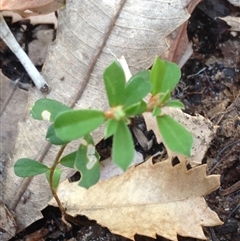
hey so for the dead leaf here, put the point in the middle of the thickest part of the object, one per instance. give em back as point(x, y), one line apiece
point(12, 100)
point(235, 2)
point(180, 49)
point(7, 222)
point(88, 34)
point(234, 22)
point(49, 18)
point(201, 128)
point(148, 199)
point(31, 7)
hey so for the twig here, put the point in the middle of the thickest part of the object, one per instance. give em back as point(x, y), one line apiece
point(235, 187)
point(7, 36)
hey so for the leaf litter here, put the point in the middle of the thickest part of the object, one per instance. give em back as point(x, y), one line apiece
point(137, 201)
point(66, 98)
point(88, 52)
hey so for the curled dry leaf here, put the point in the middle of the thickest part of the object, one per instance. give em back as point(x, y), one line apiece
point(234, 22)
point(49, 18)
point(31, 7)
point(148, 199)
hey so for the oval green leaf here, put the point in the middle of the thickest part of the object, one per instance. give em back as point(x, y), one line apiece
point(69, 160)
point(74, 124)
point(137, 88)
point(111, 128)
point(171, 77)
point(157, 74)
point(156, 111)
point(53, 138)
point(26, 167)
point(114, 80)
point(123, 146)
point(175, 136)
point(175, 104)
point(87, 163)
point(56, 176)
point(164, 97)
point(47, 109)
point(136, 109)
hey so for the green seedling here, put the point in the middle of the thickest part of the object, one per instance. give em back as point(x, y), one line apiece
point(126, 100)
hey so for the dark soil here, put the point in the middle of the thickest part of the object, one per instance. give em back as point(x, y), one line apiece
point(209, 86)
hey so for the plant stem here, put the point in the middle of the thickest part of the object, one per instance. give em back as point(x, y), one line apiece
point(54, 193)
point(7, 36)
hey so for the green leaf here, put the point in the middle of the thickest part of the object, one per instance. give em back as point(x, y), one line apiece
point(74, 124)
point(114, 80)
point(88, 138)
point(47, 109)
point(123, 147)
point(111, 128)
point(56, 176)
point(156, 111)
point(26, 167)
point(69, 160)
point(136, 109)
point(87, 163)
point(175, 103)
point(175, 136)
point(53, 138)
point(157, 74)
point(165, 97)
point(136, 89)
point(171, 77)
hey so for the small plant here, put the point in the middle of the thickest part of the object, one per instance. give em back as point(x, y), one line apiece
point(126, 100)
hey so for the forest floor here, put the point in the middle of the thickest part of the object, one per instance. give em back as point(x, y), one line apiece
point(209, 86)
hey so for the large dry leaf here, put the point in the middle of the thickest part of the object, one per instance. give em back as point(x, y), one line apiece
point(12, 100)
point(31, 7)
point(88, 34)
point(148, 199)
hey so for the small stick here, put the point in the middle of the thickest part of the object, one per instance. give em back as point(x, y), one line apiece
point(235, 187)
point(7, 36)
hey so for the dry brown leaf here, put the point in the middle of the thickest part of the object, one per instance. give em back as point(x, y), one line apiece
point(234, 22)
point(180, 49)
point(87, 34)
point(148, 199)
point(201, 128)
point(31, 7)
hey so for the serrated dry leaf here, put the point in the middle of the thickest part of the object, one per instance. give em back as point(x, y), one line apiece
point(148, 199)
point(87, 33)
point(201, 128)
point(234, 22)
point(31, 7)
